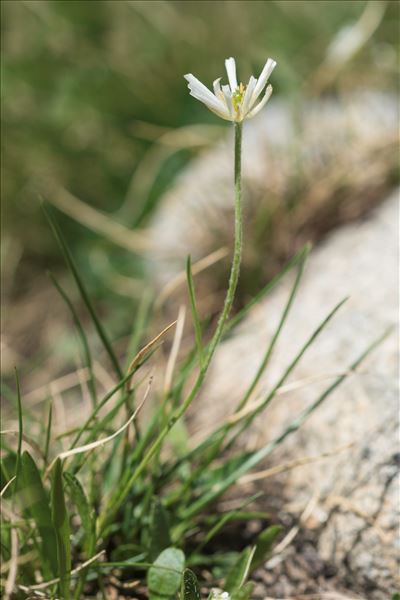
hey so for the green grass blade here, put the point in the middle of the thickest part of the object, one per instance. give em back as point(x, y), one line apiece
point(222, 521)
point(264, 545)
point(238, 574)
point(48, 433)
point(195, 314)
point(61, 526)
point(243, 593)
point(82, 289)
point(87, 355)
point(259, 455)
point(20, 434)
point(37, 504)
point(141, 320)
point(86, 514)
point(159, 530)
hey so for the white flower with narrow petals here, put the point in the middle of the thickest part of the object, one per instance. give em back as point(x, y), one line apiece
point(234, 102)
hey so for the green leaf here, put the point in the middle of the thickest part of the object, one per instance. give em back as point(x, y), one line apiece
point(190, 586)
point(61, 526)
point(243, 593)
point(237, 576)
point(86, 514)
point(164, 577)
point(264, 544)
point(82, 289)
point(159, 530)
point(36, 503)
point(195, 314)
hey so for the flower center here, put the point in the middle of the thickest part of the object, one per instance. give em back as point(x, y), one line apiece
point(237, 96)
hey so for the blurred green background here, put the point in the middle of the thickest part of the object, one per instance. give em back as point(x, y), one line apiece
point(89, 86)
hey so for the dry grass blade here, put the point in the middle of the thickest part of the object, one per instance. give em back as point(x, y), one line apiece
point(144, 351)
point(64, 383)
point(284, 389)
point(180, 278)
point(3, 491)
point(8, 513)
point(98, 443)
point(180, 322)
point(289, 537)
point(45, 584)
point(165, 146)
point(25, 438)
point(96, 221)
point(347, 43)
point(22, 560)
point(288, 466)
point(12, 574)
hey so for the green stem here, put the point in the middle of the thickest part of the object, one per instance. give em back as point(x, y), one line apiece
point(115, 503)
point(237, 252)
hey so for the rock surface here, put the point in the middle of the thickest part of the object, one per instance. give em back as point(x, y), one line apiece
point(355, 491)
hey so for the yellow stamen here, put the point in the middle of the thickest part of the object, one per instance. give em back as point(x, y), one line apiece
point(237, 96)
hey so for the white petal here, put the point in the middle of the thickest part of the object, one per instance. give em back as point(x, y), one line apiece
point(246, 105)
point(230, 66)
point(223, 114)
point(262, 80)
point(228, 98)
point(217, 86)
point(220, 94)
point(199, 91)
point(260, 105)
point(219, 110)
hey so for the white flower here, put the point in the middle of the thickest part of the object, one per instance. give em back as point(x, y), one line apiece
point(234, 102)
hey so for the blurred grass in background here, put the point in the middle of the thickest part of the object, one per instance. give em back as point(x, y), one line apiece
point(88, 88)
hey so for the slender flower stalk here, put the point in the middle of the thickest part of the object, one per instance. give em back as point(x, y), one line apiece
point(237, 251)
point(240, 108)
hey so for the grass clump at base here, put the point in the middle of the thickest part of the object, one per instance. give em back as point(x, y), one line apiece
point(123, 511)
